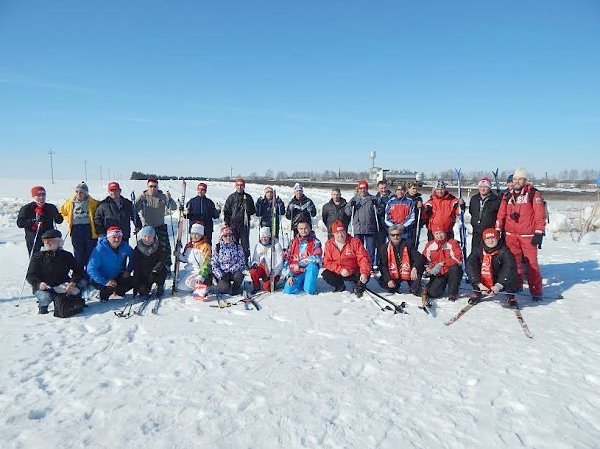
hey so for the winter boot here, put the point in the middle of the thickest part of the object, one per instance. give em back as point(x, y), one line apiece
point(425, 302)
point(42, 310)
point(452, 298)
point(536, 298)
point(160, 290)
point(474, 298)
point(512, 302)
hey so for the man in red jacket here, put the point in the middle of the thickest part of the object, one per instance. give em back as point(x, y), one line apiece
point(441, 210)
point(522, 217)
point(345, 259)
point(444, 265)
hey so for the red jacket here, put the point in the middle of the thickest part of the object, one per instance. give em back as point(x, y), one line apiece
point(441, 211)
point(447, 252)
point(522, 213)
point(353, 256)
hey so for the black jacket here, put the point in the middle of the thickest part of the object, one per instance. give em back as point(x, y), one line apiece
point(204, 210)
point(112, 213)
point(302, 208)
point(503, 263)
point(144, 265)
point(27, 218)
point(235, 206)
point(332, 212)
point(264, 210)
point(417, 260)
point(53, 268)
point(483, 213)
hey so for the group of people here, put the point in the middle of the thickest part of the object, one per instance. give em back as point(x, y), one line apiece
point(366, 234)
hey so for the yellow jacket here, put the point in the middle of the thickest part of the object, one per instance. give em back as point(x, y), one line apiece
point(66, 210)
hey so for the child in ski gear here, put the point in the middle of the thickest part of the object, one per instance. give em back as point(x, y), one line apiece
point(492, 268)
point(484, 209)
point(335, 209)
point(522, 217)
point(444, 265)
point(196, 273)
point(267, 260)
point(345, 259)
point(153, 205)
point(116, 210)
point(37, 217)
point(53, 270)
point(228, 262)
point(264, 210)
point(111, 264)
point(303, 261)
point(365, 210)
point(441, 210)
point(148, 263)
point(300, 208)
point(400, 261)
point(400, 210)
point(239, 207)
point(201, 209)
point(79, 212)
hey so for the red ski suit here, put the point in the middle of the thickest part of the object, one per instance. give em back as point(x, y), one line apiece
point(441, 212)
point(353, 256)
point(447, 252)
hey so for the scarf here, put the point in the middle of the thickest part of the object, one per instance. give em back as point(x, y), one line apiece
point(487, 268)
point(404, 272)
point(147, 250)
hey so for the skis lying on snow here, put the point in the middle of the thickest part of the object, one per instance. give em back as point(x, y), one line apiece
point(394, 307)
point(521, 320)
point(464, 310)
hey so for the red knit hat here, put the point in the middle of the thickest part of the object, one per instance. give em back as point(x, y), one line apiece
point(485, 182)
point(154, 180)
point(337, 226)
point(202, 185)
point(114, 230)
point(113, 186)
point(240, 181)
point(490, 233)
point(362, 184)
point(38, 190)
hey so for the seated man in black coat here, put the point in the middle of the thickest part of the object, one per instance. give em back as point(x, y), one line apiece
point(400, 261)
point(492, 269)
point(53, 270)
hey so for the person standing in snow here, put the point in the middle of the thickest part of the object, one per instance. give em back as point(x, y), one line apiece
point(267, 260)
point(227, 263)
point(345, 259)
point(153, 205)
point(383, 195)
point(264, 210)
point(522, 217)
point(492, 269)
point(239, 207)
point(335, 209)
point(116, 210)
point(400, 210)
point(444, 266)
point(53, 270)
point(483, 208)
point(111, 264)
point(304, 260)
point(441, 210)
point(37, 217)
point(79, 212)
point(300, 208)
point(148, 263)
point(412, 192)
point(201, 209)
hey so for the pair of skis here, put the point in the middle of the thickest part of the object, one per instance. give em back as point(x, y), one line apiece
point(178, 244)
point(128, 312)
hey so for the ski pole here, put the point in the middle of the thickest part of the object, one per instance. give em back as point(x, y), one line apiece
point(29, 263)
point(418, 228)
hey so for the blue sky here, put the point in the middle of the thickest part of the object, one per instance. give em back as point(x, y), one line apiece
point(194, 87)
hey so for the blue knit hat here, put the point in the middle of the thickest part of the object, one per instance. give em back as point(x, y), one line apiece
point(147, 230)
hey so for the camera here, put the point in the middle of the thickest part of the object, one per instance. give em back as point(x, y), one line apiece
point(515, 216)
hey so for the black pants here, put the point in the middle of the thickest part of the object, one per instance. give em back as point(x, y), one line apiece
point(337, 280)
point(437, 284)
point(242, 235)
point(124, 284)
point(143, 284)
point(230, 283)
point(415, 286)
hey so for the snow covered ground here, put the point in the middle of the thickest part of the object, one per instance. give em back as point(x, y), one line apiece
point(328, 371)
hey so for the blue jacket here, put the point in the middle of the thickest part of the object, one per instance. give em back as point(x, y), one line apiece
point(106, 263)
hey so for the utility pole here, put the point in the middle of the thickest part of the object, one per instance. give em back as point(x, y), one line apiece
point(230, 172)
point(85, 168)
point(100, 172)
point(51, 165)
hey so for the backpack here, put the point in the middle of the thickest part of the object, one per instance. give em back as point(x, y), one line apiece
point(67, 305)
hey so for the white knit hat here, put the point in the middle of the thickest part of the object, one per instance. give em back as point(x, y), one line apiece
point(520, 173)
point(297, 187)
point(197, 228)
point(265, 232)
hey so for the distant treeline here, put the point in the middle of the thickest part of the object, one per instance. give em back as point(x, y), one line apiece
point(137, 175)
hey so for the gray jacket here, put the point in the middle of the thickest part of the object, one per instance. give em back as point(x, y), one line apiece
point(154, 208)
point(366, 208)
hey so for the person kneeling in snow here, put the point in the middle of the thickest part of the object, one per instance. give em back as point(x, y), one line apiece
point(444, 265)
point(195, 276)
point(400, 261)
point(110, 265)
point(304, 260)
point(149, 263)
point(228, 262)
point(345, 259)
point(49, 270)
point(492, 269)
point(267, 259)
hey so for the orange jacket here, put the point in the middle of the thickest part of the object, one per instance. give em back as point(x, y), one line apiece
point(353, 256)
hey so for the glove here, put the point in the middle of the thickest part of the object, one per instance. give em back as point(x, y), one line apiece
point(352, 203)
point(537, 240)
point(254, 265)
point(435, 270)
